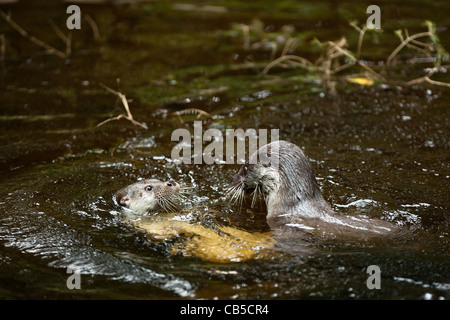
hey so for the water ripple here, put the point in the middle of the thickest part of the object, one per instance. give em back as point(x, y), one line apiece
point(64, 247)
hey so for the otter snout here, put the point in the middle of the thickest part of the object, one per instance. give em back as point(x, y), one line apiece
point(236, 180)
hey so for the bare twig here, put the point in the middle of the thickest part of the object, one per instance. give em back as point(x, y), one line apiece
point(360, 39)
point(359, 63)
point(303, 62)
point(437, 83)
point(329, 64)
point(342, 67)
point(404, 43)
point(414, 44)
point(330, 54)
point(33, 39)
point(66, 39)
point(427, 79)
point(289, 43)
point(93, 26)
point(124, 101)
point(423, 47)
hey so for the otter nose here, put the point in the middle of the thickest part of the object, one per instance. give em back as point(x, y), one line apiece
point(236, 179)
point(171, 184)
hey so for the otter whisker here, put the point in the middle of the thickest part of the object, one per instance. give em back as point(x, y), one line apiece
point(173, 204)
point(167, 204)
point(233, 197)
point(255, 195)
point(231, 192)
point(231, 189)
point(169, 207)
point(242, 194)
point(184, 194)
point(237, 193)
point(180, 197)
point(162, 204)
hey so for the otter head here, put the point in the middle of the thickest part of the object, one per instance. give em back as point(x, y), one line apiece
point(258, 178)
point(281, 173)
point(148, 195)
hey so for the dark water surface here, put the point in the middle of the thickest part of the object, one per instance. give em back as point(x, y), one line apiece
point(383, 149)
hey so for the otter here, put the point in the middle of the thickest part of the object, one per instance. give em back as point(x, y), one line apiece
point(149, 195)
point(283, 175)
point(191, 236)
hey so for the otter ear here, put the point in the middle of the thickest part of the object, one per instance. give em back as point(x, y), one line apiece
point(124, 200)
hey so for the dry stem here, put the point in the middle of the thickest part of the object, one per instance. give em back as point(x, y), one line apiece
point(426, 78)
point(66, 39)
point(404, 43)
point(124, 101)
point(359, 63)
point(304, 63)
point(35, 40)
point(93, 26)
point(337, 49)
point(360, 39)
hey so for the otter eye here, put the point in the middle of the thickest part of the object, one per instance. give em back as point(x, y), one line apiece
point(148, 188)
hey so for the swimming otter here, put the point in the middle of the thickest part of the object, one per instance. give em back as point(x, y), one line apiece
point(211, 241)
point(149, 195)
point(283, 175)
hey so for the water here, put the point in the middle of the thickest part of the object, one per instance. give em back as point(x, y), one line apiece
point(381, 151)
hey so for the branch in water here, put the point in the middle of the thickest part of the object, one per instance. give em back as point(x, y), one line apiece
point(124, 101)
